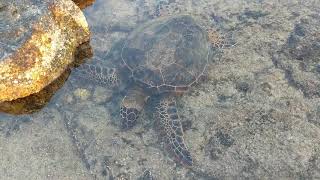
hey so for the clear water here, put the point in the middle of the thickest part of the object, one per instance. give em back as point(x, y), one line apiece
point(255, 116)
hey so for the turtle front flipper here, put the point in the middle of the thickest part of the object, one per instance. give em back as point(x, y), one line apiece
point(131, 107)
point(101, 75)
point(171, 129)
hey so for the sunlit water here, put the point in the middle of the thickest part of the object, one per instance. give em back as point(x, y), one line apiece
point(256, 114)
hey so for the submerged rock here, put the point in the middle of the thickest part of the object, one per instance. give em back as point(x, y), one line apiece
point(300, 57)
point(37, 43)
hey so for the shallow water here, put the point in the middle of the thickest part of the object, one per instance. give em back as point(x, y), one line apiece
point(255, 115)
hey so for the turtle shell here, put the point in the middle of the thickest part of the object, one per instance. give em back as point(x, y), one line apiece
point(167, 54)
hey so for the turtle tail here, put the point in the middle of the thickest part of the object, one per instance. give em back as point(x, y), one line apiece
point(101, 75)
point(171, 129)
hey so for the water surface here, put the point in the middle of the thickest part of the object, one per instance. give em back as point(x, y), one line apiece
point(256, 115)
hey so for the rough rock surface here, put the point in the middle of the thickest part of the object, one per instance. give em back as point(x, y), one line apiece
point(37, 43)
point(83, 3)
point(300, 56)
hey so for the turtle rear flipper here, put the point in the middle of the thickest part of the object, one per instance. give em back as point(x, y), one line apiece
point(101, 75)
point(131, 107)
point(171, 128)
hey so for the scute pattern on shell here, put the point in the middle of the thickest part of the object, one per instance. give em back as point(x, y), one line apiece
point(167, 54)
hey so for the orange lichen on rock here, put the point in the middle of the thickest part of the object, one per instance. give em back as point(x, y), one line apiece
point(83, 3)
point(46, 53)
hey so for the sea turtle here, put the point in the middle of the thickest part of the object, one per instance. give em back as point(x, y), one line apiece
point(159, 59)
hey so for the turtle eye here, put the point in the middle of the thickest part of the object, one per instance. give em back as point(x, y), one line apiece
point(92, 68)
point(111, 70)
point(98, 70)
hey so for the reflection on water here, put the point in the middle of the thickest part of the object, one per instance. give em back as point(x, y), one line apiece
point(256, 114)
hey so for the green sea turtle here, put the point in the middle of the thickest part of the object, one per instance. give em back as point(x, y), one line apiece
point(159, 59)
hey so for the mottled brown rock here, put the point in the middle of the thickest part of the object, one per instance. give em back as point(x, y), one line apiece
point(37, 42)
point(83, 3)
point(35, 102)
